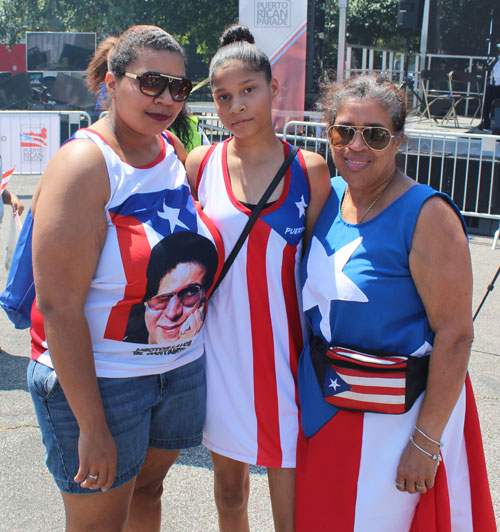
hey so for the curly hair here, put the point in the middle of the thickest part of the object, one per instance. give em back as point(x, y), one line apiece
point(365, 87)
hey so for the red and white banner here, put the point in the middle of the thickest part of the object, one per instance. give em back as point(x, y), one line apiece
point(5, 178)
point(28, 141)
point(280, 30)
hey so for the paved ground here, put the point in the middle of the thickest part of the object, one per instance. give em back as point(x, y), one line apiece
point(31, 503)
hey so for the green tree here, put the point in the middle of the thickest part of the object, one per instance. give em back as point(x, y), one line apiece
point(462, 26)
point(369, 23)
point(458, 27)
point(374, 23)
point(19, 16)
point(197, 23)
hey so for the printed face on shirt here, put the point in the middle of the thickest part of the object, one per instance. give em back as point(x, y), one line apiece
point(177, 311)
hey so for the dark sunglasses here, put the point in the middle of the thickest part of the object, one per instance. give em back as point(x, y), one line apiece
point(189, 296)
point(154, 83)
point(375, 137)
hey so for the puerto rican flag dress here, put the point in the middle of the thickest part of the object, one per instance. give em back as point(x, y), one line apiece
point(254, 331)
point(358, 291)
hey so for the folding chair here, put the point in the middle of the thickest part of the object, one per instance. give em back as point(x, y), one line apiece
point(435, 86)
point(465, 87)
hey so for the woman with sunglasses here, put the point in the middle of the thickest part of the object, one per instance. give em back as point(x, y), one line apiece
point(390, 438)
point(254, 326)
point(114, 413)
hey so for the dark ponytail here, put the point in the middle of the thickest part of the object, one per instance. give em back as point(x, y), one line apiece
point(114, 54)
point(98, 67)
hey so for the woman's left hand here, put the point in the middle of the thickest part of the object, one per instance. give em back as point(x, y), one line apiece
point(441, 269)
point(417, 471)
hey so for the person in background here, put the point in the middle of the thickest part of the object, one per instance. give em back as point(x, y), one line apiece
point(390, 437)
point(254, 323)
point(9, 198)
point(114, 414)
point(187, 127)
point(492, 91)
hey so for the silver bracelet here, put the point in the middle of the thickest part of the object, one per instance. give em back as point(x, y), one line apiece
point(428, 437)
point(436, 457)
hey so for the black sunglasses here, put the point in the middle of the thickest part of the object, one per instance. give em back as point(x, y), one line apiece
point(377, 138)
point(154, 83)
point(189, 296)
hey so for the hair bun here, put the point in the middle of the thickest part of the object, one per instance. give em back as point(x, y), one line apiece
point(236, 33)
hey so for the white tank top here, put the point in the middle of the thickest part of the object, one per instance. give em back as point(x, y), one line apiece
point(147, 300)
point(254, 330)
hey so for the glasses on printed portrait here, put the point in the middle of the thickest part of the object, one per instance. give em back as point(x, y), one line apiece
point(188, 297)
point(177, 312)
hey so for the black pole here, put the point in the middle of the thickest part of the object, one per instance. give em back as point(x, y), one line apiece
point(486, 73)
point(408, 83)
point(488, 290)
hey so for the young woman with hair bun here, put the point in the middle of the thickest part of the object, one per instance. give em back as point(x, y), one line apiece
point(115, 412)
point(254, 331)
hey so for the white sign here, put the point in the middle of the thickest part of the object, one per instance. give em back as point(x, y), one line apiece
point(272, 14)
point(280, 30)
point(28, 140)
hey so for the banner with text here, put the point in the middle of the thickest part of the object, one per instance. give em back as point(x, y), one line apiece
point(280, 30)
point(28, 141)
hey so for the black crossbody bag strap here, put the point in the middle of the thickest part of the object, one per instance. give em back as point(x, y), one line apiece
point(253, 217)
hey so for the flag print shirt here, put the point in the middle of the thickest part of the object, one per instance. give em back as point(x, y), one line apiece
point(147, 300)
point(358, 290)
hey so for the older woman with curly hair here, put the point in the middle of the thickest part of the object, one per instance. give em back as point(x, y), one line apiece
point(390, 438)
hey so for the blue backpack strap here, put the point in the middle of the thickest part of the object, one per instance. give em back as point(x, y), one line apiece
point(19, 294)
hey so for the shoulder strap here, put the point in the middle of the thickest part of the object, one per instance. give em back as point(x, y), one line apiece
point(255, 214)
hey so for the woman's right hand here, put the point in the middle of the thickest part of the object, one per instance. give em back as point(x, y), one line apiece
point(97, 454)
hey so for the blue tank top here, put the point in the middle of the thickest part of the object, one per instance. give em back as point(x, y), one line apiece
point(358, 289)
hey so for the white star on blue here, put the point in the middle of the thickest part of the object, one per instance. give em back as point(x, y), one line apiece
point(333, 384)
point(166, 211)
point(336, 286)
point(301, 205)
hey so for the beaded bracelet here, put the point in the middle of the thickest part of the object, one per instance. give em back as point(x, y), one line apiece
point(436, 457)
point(439, 443)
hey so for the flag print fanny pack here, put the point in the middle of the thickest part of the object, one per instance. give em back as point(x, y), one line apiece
point(353, 379)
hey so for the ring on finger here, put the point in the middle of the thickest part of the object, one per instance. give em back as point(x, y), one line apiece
point(400, 484)
point(420, 487)
point(93, 477)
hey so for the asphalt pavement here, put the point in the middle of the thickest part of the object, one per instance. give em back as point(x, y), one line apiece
point(30, 502)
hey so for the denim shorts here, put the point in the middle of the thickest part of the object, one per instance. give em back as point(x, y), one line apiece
point(164, 411)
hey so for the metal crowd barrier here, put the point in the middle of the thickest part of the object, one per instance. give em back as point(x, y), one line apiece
point(361, 59)
point(213, 128)
point(465, 166)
